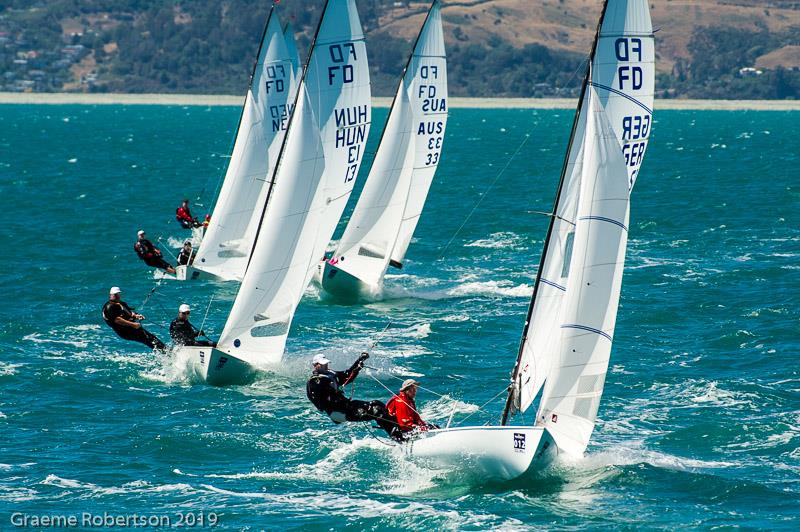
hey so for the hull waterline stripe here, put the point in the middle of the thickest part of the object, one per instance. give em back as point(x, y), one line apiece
point(554, 285)
point(604, 219)
point(620, 93)
point(585, 328)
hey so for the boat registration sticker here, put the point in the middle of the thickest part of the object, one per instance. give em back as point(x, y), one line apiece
point(519, 442)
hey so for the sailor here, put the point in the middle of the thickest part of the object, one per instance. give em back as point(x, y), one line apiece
point(403, 409)
point(184, 333)
point(150, 254)
point(186, 255)
point(325, 391)
point(120, 317)
point(184, 216)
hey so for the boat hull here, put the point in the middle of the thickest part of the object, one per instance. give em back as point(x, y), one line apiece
point(344, 286)
point(190, 273)
point(216, 367)
point(490, 454)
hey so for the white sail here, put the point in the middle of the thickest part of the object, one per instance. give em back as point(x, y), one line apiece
point(229, 238)
point(391, 201)
point(623, 76)
point(572, 393)
point(317, 169)
point(291, 47)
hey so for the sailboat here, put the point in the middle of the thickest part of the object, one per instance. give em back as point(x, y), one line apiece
point(566, 342)
point(385, 217)
point(268, 104)
point(316, 170)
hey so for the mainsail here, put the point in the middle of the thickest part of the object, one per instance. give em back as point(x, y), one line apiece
point(387, 212)
point(618, 87)
point(318, 164)
point(273, 87)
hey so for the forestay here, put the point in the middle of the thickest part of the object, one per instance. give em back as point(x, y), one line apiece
point(622, 74)
point(317, 169)
point(384, 219)
point(229, 238)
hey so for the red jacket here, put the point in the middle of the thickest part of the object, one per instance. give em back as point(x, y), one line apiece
point(182, 213)
point(404, 410)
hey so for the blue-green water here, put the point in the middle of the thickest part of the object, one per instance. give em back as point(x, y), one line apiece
point(700, 421)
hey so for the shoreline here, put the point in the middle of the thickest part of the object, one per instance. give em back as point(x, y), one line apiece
point(209, 100)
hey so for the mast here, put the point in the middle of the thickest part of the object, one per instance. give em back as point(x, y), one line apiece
point(300, 84)
point(553, 215)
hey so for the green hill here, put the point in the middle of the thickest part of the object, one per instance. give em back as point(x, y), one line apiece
point(712, 49)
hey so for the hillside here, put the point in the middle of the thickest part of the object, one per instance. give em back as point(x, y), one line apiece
point(736, 49)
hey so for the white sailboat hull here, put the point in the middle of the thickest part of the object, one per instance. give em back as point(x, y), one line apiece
point(215, 367)
point(190, 273)
point(492, 454)
point(345, 286)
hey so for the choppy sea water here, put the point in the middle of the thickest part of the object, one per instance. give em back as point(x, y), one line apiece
point(699, 425)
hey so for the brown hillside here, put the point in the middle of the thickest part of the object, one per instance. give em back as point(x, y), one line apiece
point(570, 24)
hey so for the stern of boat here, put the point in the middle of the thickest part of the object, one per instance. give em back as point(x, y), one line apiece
point(344, 286)
point(491, 454)
point(216, 367)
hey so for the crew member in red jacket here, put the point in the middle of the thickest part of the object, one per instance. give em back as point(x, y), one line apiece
point(404, 410)
point(184, 216)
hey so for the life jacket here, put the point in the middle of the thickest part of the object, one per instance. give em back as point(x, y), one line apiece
point(125, 313)
point(323, 390)
point(391, 406)
point(182, 213)
point(145, 249)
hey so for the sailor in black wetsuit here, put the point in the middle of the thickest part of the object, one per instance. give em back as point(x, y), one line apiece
point(184, 333)
point(120, 317)
point(325, 391)
point(150, 254)
point(186, 256)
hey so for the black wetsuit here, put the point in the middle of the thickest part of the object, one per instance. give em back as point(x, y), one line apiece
point(324, 390)
point(114, 309)
point(147, 252)
point(184, 258)
point(184, 333)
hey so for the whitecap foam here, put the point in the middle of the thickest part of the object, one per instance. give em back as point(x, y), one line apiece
point(498, 241)
point(418, 331)
point(38, 339)
point(456, 318)
point(503, 288)
point(9, 369)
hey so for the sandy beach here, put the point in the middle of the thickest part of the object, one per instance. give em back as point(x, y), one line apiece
point(474, 103)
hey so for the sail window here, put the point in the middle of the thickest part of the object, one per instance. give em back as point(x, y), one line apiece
point(271, 329)
point(567, 253)
point(371, 252)
point(585, 407)
point(591, 383)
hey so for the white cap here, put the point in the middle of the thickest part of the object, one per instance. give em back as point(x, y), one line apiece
point(184, 308)
point(408, 383)
point(141, 232)
point(320, 359)
point(114, 290)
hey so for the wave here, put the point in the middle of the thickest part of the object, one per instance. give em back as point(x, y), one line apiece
point(499, 240)
point(38, 339)
point(9, 369)
point(492, 288)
